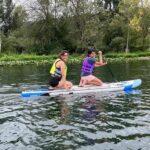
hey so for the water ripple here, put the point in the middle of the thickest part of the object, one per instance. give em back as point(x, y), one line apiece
point(103, 121)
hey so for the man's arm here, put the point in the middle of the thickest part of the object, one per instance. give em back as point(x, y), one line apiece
point(100, 57)
point(100, 62)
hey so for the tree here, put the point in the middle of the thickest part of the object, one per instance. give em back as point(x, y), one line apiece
point(1, 22)
point(144, 15)
point(50, 25)
point(13, 19)
point(128, 9)
point(42, 26)
point(137, 16)
point(8, 7)
point(19, 17)
point(82, 12)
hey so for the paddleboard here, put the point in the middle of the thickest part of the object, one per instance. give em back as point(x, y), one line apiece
point(107, 87)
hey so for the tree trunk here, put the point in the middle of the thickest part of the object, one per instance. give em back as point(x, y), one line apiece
point(82, 40)
point(127, 44)
point(0, 43)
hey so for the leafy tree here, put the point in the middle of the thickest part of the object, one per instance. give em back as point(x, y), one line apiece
point(51, 25)
point(1, 11)
point(145, 21)
point(7, 15)
point(117, 44)
point(19, 17)
point(137, 17)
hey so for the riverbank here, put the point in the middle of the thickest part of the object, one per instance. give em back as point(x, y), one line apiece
point(128, 55)
point(23, 59)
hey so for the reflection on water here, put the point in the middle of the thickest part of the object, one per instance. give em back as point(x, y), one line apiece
point(102, 121)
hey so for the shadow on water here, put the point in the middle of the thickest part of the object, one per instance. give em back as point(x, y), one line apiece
point(105, 121)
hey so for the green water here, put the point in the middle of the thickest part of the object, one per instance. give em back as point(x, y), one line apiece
point(103, 121)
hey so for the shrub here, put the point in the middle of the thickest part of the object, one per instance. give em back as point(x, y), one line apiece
point(117, 44)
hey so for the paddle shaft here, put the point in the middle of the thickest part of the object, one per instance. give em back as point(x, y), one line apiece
point(112, 74)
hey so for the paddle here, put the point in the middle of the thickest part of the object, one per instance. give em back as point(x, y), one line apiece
point(112, 74)
point(108, 67)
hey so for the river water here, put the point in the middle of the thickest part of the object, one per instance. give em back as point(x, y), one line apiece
point(101, 121)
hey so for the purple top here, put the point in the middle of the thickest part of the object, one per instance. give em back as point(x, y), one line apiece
point(88, 66)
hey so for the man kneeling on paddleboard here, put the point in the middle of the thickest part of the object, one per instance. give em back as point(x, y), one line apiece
point(59, 72)
point(89, 63)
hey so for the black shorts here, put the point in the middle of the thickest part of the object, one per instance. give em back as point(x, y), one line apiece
point(54, 81)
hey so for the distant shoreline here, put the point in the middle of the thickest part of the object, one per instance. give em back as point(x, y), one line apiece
point(23, 59)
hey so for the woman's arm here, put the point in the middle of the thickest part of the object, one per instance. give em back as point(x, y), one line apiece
point(62, 66)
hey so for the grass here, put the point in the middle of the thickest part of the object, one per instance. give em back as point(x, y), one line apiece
point(15, 59)
point(23, 59)
point(128, 55)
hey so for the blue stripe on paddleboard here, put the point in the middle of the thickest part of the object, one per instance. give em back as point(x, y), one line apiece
point(135, 84)
point(133, 92)
point(34, 94)
point(128, 87)
point(37, 92)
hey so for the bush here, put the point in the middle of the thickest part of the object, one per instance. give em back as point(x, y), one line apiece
point(9, 44)
point(147, 42)
point(117, 44)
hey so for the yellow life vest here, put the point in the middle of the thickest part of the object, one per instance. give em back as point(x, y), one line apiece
point(54, 71)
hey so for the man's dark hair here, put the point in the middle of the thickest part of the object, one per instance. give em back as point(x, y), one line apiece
point(90, 51)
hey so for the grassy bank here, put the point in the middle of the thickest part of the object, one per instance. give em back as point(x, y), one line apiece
point(128, 55)
point(14, 59)
point(23, 59)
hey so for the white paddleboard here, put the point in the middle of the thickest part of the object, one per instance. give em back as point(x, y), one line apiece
point(109, 87)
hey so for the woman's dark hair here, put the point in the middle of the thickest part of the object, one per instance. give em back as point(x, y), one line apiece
point(90, 51)
point(62, 53)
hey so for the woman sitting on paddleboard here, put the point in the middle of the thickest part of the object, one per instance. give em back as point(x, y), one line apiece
point(59, 72)
point(89, 63)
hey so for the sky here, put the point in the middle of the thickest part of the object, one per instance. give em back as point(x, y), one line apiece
point(25, 3)
point(19, 1)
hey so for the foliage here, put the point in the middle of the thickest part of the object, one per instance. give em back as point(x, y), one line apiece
point(23, 59)
point(129, 55)
point(117, 44)
point(7, 8)
point(48, 26)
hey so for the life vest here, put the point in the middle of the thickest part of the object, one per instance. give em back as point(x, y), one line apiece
point(87, 67)
point(54, 71)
